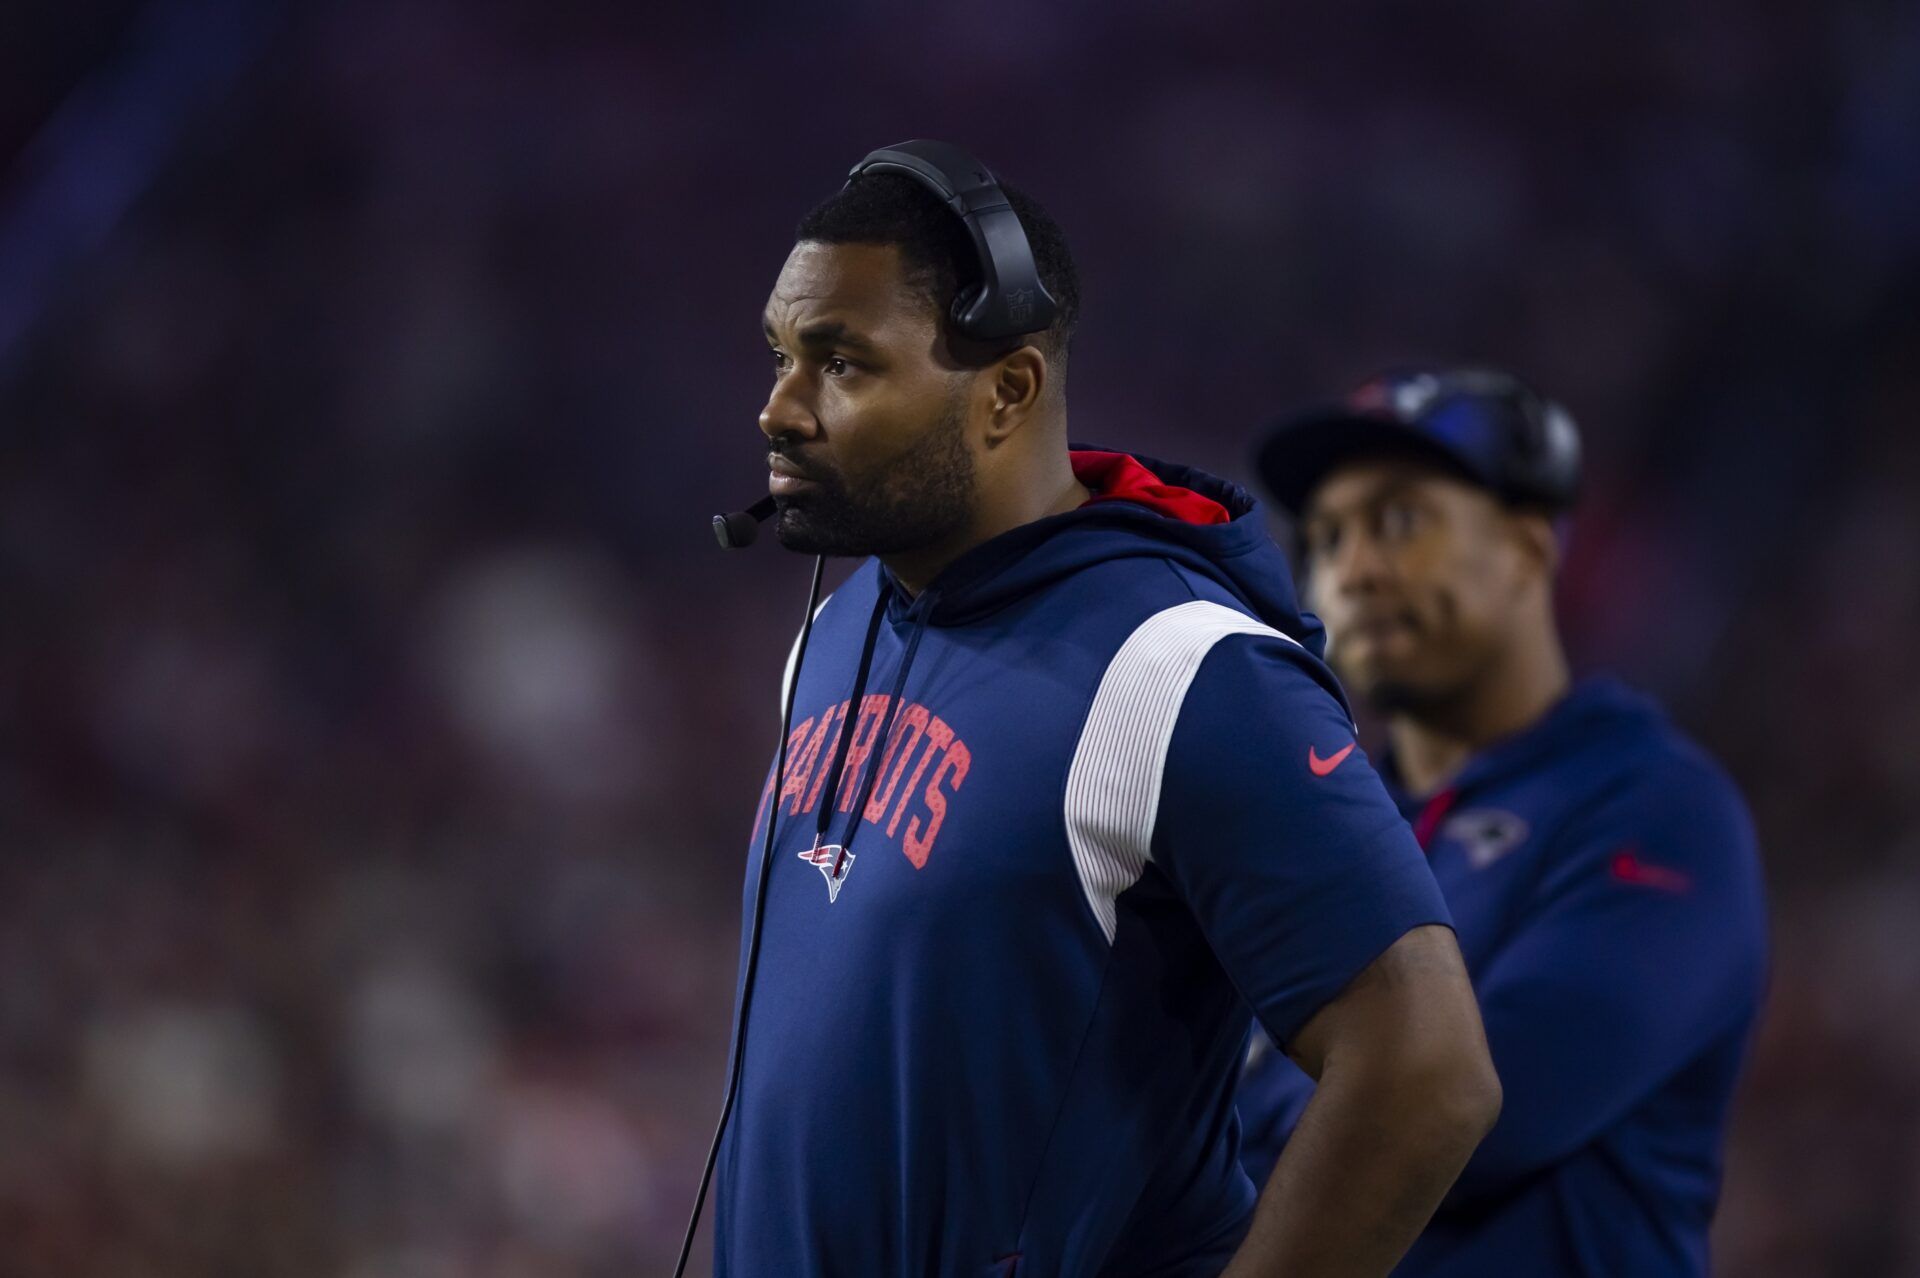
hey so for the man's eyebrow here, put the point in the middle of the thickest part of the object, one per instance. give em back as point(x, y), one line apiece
point(1388, 489)
point(826, 333)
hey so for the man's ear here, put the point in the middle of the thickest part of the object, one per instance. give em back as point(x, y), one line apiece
point(1538, 542)
point(1018, 380)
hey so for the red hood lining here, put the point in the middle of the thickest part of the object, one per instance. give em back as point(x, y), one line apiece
point(1119, 477)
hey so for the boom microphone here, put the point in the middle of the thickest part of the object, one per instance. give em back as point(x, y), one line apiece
point(736, 530)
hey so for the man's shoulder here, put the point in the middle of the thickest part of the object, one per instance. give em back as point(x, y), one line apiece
point(1151, 614)
point(1647, 785)
point(1148, 591)
point(1642, 759)
point(1133, 584)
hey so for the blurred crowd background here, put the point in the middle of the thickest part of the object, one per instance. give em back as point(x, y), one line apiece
point(380, 726)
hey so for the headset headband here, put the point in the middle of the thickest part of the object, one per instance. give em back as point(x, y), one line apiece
point(1010, 299)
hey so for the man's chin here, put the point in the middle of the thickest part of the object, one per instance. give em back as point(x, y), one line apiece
point(820, 523)
point(1383, 685)
point(1387, 696)
point(801, 531)
point(1398, 693)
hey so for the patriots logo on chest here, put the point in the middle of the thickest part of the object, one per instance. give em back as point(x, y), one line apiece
point(918, 773)
point(1487, 834)
point(833, 861)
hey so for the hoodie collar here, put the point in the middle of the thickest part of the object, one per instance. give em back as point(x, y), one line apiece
point(1142, 508)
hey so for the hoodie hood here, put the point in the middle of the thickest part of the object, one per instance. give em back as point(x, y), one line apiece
point(1175, 512)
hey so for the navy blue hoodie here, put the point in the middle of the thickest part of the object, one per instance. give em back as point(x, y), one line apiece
point(1603, 877)
point(1099, 801)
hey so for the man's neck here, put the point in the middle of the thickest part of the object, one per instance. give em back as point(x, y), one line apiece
point(1431, 744)
point(1047, 490)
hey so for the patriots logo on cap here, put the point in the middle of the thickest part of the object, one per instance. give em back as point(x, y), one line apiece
point(833, 861)
point(1404, 398)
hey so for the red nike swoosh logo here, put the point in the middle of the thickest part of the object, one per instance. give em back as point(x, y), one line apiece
point(1321, 767)
point(1629, 868)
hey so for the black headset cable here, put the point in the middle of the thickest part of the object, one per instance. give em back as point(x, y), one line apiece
point(753, 935)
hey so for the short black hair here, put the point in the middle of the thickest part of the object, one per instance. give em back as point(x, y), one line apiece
point(887, 208)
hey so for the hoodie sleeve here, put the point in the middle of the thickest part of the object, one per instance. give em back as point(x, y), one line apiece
point(1276, 831)
point(1644, 944)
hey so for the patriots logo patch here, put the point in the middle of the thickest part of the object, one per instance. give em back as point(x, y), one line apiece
point(833, 861)
point(1487, 834)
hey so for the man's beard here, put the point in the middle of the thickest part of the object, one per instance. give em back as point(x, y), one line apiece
point(1398, 696)
point(924, 496)
point(1430, 696)
point(1390, 692)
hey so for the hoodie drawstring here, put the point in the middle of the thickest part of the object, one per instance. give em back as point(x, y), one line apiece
point(825, 816)
point(922, 610)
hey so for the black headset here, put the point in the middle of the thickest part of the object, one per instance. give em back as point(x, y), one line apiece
point(1010, 299)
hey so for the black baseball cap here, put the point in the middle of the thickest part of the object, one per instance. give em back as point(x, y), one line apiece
point(1486, 426)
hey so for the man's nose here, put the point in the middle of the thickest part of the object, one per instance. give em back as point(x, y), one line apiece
point(789, 409)
point(1359, 565)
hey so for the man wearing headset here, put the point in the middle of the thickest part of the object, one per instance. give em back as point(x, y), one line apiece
point(1062, 782)
point(1600, 868)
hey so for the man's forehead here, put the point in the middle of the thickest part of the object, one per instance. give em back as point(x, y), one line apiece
point(1368, 478)
point(859, 285)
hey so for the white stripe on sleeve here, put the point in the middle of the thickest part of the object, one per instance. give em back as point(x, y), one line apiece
point(1113, 785)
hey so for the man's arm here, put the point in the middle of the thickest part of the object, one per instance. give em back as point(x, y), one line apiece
point(1406, 1090)
point(1320, 907)
point(1645, 943)
point(1641, 947)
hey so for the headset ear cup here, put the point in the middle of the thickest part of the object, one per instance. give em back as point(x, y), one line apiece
point(963, 302)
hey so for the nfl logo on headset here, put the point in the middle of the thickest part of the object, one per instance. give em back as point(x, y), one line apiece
point(833, 861)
